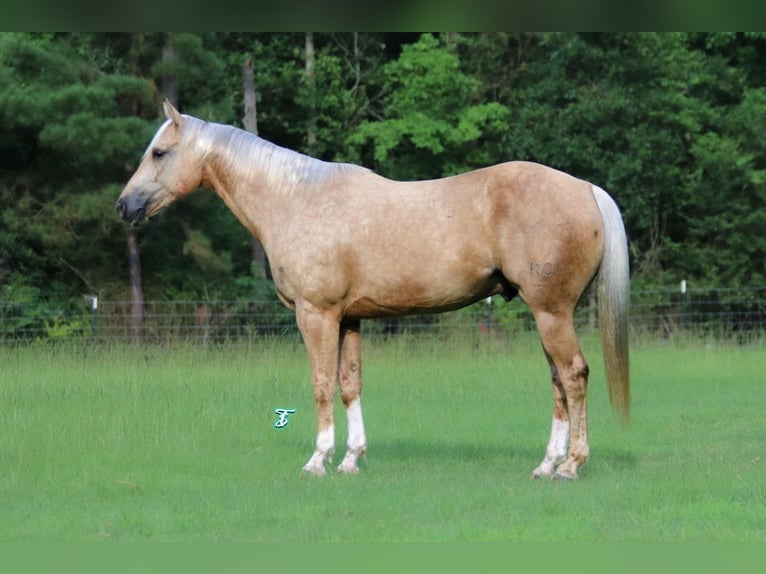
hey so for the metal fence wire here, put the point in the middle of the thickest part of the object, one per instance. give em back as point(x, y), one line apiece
point(739, 313)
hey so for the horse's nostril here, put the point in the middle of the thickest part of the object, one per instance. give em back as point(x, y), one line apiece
point(129, 213)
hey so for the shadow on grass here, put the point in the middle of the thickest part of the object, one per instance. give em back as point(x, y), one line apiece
point(449, 452)
point(616, 460)
point(444, 450)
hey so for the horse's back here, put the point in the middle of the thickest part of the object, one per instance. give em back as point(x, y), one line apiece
point(384, 247)
point(538, 227)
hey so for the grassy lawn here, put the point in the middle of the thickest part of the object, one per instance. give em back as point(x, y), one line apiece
point(179, 444)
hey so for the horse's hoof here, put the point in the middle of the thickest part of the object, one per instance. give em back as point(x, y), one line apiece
point(316, 470)
point(541, 472)
point(564, 477)
point(348, 468)
point(565, 474)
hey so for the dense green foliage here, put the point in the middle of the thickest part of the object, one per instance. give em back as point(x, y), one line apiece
point(670, 124)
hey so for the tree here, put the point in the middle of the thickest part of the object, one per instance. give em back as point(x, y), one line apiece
point(250, 123)
point(68, 132)
point(433, 123)
point(668, 123)
point(650, 118)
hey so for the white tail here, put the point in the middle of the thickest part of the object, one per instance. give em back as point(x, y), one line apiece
point(614, 303)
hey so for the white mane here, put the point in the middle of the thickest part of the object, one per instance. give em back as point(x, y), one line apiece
point(257, 159)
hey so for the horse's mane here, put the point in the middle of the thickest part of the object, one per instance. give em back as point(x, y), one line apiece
point(255, 158)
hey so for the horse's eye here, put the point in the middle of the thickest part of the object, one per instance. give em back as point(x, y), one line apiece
point(158, 153)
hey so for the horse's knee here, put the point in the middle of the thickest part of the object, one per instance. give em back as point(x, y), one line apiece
point(350, 390)
point(348, 397)
point(323, 394)
point(350, 382)
point(580, 368)
point(576, 383)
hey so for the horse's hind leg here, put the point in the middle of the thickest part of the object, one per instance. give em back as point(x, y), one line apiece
point(556, 452)
point(350, 374)
point(570, 385)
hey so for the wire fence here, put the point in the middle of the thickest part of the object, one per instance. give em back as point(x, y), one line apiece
point(732, 313)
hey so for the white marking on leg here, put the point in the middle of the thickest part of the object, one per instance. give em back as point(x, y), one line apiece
point(324, 448)
point(357, 440)
point(557, 448)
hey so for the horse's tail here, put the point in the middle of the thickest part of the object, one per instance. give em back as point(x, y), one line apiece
point(614, 303)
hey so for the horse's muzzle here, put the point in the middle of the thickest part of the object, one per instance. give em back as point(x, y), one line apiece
point(132, 211)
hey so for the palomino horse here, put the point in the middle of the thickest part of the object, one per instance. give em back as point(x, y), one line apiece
point(346, 244)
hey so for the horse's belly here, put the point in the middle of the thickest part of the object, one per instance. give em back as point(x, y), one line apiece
point(420, 296)
point(366, 308)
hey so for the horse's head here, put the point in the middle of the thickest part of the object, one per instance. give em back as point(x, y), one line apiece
point(168, 170)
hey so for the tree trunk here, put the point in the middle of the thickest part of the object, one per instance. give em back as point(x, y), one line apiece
point(450, 41)
point(250, 119)
point(131, 239)
point(311, 135)
point(169, 84)
point(250, 123)
point(136, 290)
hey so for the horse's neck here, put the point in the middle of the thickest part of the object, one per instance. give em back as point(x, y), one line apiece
point(259, 181)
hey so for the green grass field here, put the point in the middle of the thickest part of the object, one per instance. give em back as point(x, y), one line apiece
point(178, 444)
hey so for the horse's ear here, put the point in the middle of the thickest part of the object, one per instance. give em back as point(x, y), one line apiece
point(171, 113)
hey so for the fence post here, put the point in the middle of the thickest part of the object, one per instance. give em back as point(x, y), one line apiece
point(94, 321)
point(683, 304)
point(489, 316)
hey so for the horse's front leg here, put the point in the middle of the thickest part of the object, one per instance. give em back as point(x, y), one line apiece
point(321, 330)
point(350, 374)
